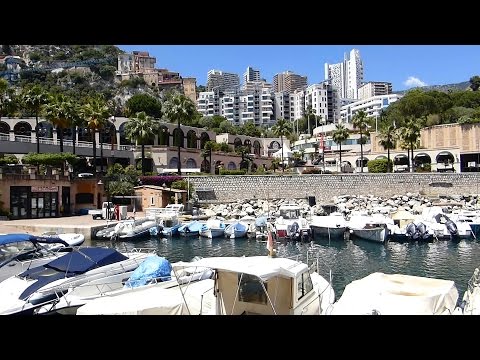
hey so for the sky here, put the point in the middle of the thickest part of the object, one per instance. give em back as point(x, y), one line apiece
point(405, 66)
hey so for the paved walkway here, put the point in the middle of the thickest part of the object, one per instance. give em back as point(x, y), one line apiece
point(82, 224)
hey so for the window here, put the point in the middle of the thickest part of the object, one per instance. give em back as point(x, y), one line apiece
point(305, 285)
point(152, 201)
point(251, 289)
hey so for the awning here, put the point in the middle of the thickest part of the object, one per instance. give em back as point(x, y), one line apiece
point(381, 157)
point(445, 153)
point(400, 156)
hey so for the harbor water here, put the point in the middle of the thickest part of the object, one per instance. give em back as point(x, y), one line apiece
point(346, 261)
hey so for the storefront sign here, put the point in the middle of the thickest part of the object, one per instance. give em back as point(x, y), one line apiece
point(44, 188)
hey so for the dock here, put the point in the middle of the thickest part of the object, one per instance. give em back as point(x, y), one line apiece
point(81, 224)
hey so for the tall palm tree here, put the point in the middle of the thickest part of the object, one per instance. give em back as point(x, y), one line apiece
point(208, 147)
point(179, 108)
point(95, 113)
point(410, 133)
point(76, 120)
point(141, 129)
point(282, 128)
point(340, 135)
point(34, 98)
point(360, 122)
point(388, 135)
point(56, 112)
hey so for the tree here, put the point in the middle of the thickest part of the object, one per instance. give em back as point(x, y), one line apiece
point(387, 135)
point(208, 147)
point(244, 152)
point(34, 98)
point(475, 82)
point(4, 98)
point(308, 115)
point(282, 128)
point(143, 103)
point(340, 135)
point(95, 112)
point(360, 122)
point(179, 108)
point(56, 112)
point(141, 129)
point(410, 134)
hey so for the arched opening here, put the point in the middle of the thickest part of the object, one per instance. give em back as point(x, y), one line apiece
point(400, 163)
point(163, 136)
point(4, 128)
point(190, 163)
point(148, 164)
point(422, 162)
point(254, 167)
point(380, 157)
point(248, 144)
point(85, 134)
point(45, 130)
point(205, 166)
point(22, 129)
point(361, 162)
point(108, 134)
point(191, 139)
point(123, 138)
point(237, 143)
point(173, 163)
point(178, 137)
point(203, 139)
point(256, 147)
point(231, 166)
point(445, 161)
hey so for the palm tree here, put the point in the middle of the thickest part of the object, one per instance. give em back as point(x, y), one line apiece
point(387, 135)
point(340, 135)
point(75, 116)
point(360, 122)
point(244, 152)
point(56, 112)
point(34, 98)
point(282, 128)
point(409, 133)
point(179, 108)
point(95, 112)
point(207, 151)
point(141, 129)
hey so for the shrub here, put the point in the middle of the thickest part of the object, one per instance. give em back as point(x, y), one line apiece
point(8, 159)
point(378, 166)
point(55, 159)
point(232, 172)
point(159, 180)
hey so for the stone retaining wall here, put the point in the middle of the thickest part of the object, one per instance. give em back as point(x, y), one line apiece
point(219, 189)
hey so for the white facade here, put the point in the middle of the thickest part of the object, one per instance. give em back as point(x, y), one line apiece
point(282, 106)
point(374, 88)
point(316, 98)
point(346, 76)
point(372, 106)
point(208, 103)
point(297, 106)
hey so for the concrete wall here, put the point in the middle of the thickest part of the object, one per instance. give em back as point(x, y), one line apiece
point(325, 187)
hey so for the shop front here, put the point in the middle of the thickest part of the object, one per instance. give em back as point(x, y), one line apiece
point(32, 202)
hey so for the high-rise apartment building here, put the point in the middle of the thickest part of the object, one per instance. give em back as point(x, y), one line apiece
point(222, 81)
point(346, 76)
point(251, 75)
point(288, 81)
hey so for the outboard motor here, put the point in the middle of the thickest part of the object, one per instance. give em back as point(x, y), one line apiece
point(422, 230)
point(293, 231)
point(410, 230)
point(451, 227)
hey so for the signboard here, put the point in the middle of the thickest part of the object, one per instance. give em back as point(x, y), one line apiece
point(44, 189)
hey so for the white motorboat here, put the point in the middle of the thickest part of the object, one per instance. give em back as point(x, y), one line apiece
point(370, 228)
point(290, 225)
point(443, 227)
point(333, 226)
point(263, 285)
point(45, 284)
point(212, 228)
point(470, 304)
point(154, 271)
point(396, 294)
point(21, 251)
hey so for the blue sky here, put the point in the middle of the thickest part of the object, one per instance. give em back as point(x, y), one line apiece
point(405, 66)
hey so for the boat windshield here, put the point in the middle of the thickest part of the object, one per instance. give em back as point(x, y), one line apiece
point(10, 250)
point(290, 213)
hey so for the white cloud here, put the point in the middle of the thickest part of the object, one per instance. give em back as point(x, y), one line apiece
point(412, 81)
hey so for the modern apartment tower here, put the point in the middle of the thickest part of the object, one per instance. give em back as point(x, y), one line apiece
point(288, 81)
point(374, 88)
point(222, 81)
point(251, 75)
point(346, 76)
